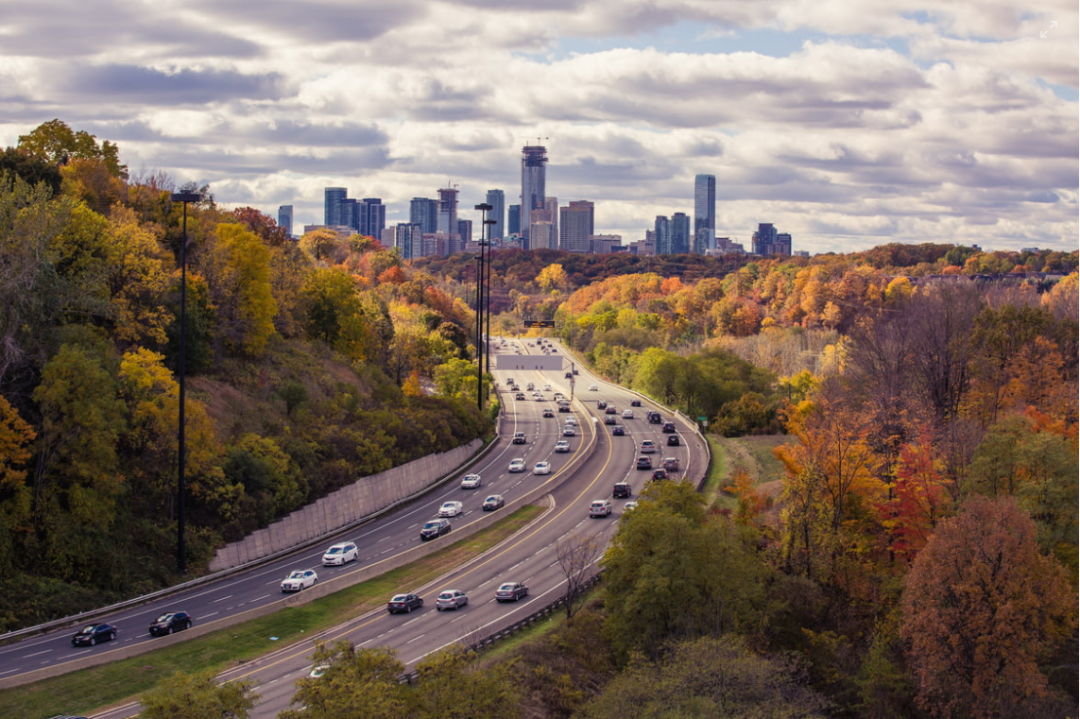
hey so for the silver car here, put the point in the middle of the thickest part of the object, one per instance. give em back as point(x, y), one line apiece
point(451, 599)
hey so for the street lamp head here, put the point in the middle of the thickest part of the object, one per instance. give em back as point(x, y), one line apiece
point(484, 207)
point(186, 197)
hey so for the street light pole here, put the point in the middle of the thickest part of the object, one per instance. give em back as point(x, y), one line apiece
point(480, 349)
point(181, 555)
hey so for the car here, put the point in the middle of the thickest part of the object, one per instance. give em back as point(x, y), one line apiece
point(635, 403)
point(318, 670)
point(562, 446)
point(659, 474)
point(571, 420)
point(543, 467)
point(170, 622)
point(668, 427)
point(601, 404)
point(621, 490)
point(559, 396)
point(519, 438)
point(450, 509)
point(610, 409)
point(91, 634)
point(434, 528)
point(569, 431)
point(530, 387)
point(648, 446)
point(618, 431)
point(567, 376)
point(471, 481)
point(644, 462)
point(548, 412)
point(517, 465)
point(594, 388)
point(564, 406)
point(628, 414)
point(451, 599)
point(610, 419)
point(575, 371)
point(509, 382)
point(653, 417)
point(520, 396)
point(340, 553)
point(404, 603)
point(629, 506)
point(299, 579)
point(673, 440)
point(671, 464)
point(511, 592)
point(493, 502)
point(600, 508)
point(547, 388)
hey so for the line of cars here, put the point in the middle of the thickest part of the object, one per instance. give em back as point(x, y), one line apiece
point(164, 625)
point(454, 598)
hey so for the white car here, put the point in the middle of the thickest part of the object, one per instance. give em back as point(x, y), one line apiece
point(562, 446)
point(547, 388)
point(517, 465)
point(340, 554)
point(571, 420)
point(450, 509)
point(569, 431)
point(648, 446)
point(471, 481)
point(299, 579)
point(628, 414)
point(542, 468)
point(629, 506)
point(593, 388)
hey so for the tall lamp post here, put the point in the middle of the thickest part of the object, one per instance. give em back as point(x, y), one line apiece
point(181, 558)
point(481, 349)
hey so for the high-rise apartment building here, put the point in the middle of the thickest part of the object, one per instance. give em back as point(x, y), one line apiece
point(542, 235)
point(513, 220)
point(372, 217)
point(767, 241)
point(533, 178)
point(576, 226)
point(464, 230)
point(704, 212)
point(333, 206)
point(424, 211)
point(285, 218)
point(662, 235)
point(497, 200)
point(446, 222)
point(680, 233)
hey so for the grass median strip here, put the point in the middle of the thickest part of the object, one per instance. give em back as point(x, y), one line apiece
point(89, 689)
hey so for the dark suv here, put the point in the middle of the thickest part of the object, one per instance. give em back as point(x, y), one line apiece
point(169, 623)
point(653, 416)
point(668, 428)
point(644, 462)
point(621, 490)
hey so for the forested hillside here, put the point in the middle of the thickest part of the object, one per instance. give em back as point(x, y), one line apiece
point(307, 365)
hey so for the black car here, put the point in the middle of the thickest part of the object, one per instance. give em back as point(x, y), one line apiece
point(621, 490)
point(567, 375)
point(659, 474)
point(618, 431)
point(601, 404)
point(90, 635)
point(644, 462)
point(653, 417)
point(493, 502)
point(668, 427)
point(548, 412)
point(404, 603)
point(434, 528)
point(610, 419)
point(673, 440)
point(635, 403)
point(169, 623)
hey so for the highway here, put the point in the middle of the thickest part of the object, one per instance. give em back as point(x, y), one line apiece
point(527, 557)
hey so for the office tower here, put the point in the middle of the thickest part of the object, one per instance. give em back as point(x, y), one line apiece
point(513, 220)
point(285, 218)
point(782, 246)
point(497, 200)
point(542, 234)
point(372, 217)
point(576, 226)
point(447, 219)
point(763, 239)
point(551, 209)
point(680, 233)
point(704, 212)
point(662, 235)
point(408, 239)
point(350, 214)
point(423, 211)
point(533, 159)
point(464, 230)
point(332, 205)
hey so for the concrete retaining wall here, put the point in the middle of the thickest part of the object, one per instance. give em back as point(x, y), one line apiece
point(363, 498)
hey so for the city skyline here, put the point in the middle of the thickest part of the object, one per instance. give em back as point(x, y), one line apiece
point(903, 121)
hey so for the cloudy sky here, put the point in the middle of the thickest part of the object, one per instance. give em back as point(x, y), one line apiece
point(847, 124)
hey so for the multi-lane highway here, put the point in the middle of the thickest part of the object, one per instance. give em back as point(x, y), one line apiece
point(527, 557)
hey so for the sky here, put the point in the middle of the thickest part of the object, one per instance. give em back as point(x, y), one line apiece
point(847, 124)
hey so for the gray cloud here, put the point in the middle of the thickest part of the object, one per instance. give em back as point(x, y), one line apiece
point(131, 83)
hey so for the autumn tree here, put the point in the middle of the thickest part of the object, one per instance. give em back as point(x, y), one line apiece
point(198, 696)
point(576, 556)
point(15, 509)
point(981, 608)
point(246, 305)
point(552, 278)
point(356, 682)
point(55, 142)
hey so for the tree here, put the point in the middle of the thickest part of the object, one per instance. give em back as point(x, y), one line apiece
point(357, 682)
point(15, 516)
point(58, 144)
point(452, 685)
point(981, 607)
point(247, 306)
point(576, 555)
point(30, 169)
point(553, 277)
point(198, 696)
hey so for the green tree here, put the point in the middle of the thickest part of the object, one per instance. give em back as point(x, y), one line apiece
point(452, 685)
point(198, 696)
point(247, 308)
point(55, 142)
point(357, 683)
point(15, 516)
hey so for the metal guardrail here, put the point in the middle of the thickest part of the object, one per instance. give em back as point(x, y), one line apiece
point(495, 637)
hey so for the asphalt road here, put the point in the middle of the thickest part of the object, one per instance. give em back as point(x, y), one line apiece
point(527, 557)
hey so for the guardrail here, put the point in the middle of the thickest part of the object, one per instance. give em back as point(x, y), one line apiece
point(495, 637)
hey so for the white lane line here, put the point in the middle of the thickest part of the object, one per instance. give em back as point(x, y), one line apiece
point(38, 653)
point(207, 616)
point(222, 599)
point(9, 671)
point(415, 639)
point(256, 599)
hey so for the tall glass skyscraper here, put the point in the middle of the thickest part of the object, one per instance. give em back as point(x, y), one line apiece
point(704, 212)
point(334, 206)
point(662, 236)
point(424, 211)
point(533, 177)
point(680, 234)
point(513, 220)
point(497, 200)
point(447, 219)
point(285, 218)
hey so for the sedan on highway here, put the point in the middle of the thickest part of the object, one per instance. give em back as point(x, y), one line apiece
point(170, 622)
point(299, 579)
point(340, 554)
point(451, 599)
point(471, 481)
point(628, 414)
point(562, 446)
point(618, 431)
point(549, 412)
point(404, 603)
point(511, 592)
point(569, 431)
point(91, 634)
point(493, 502)
point(450, 509)
point(434, 528)
point(516, 465)
point(543, 467)
point(673, 440)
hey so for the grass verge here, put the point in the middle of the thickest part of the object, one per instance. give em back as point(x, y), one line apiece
point(89, 689)
point(717, 470)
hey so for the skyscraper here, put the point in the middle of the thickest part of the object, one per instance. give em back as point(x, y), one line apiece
point(575, 226)
point(533, 174)
point(662, 235)
point(333, 200)
point(497, 200)
point(408, 240)
point(423, 211)
point(464, 230)
point(513, 220)
point(704, 212)
point(447, 219)
point(372, 217)
point(285, 218)
point(680, 233)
